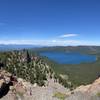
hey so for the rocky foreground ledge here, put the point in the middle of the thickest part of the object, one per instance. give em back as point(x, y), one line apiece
point(12, 88)
point(86, 92)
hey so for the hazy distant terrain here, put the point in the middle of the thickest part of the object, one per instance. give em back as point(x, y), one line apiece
point(16, 47)
point(81, 49)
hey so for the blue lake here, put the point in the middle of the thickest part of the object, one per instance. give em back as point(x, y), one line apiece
point(69, 58)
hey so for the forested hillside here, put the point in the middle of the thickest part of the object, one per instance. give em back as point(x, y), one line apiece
point(30, 67)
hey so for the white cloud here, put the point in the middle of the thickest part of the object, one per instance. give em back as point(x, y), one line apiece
point(68, 35)
point(65, 42)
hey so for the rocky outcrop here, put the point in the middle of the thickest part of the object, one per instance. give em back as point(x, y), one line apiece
point(93, 88)
point(12, 88)
point(86, 92)
point(5, 83)
point(23, 90)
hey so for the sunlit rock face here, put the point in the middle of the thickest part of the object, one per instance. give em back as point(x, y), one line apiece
point(88, 92)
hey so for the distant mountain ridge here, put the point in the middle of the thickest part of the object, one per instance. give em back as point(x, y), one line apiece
point(38, 48)
point(87, 49)
point(7, 47)
point(81, 49)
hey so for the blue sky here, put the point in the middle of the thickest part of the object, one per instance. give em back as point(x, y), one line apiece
point(50, 22)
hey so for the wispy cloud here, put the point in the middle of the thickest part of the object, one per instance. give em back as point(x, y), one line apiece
point(68, 35)
point(65, 42)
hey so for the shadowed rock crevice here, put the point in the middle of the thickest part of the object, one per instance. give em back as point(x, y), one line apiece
point(5, 89)
point(1, 65)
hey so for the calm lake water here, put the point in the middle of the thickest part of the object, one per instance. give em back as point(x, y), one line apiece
point(69, 58)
